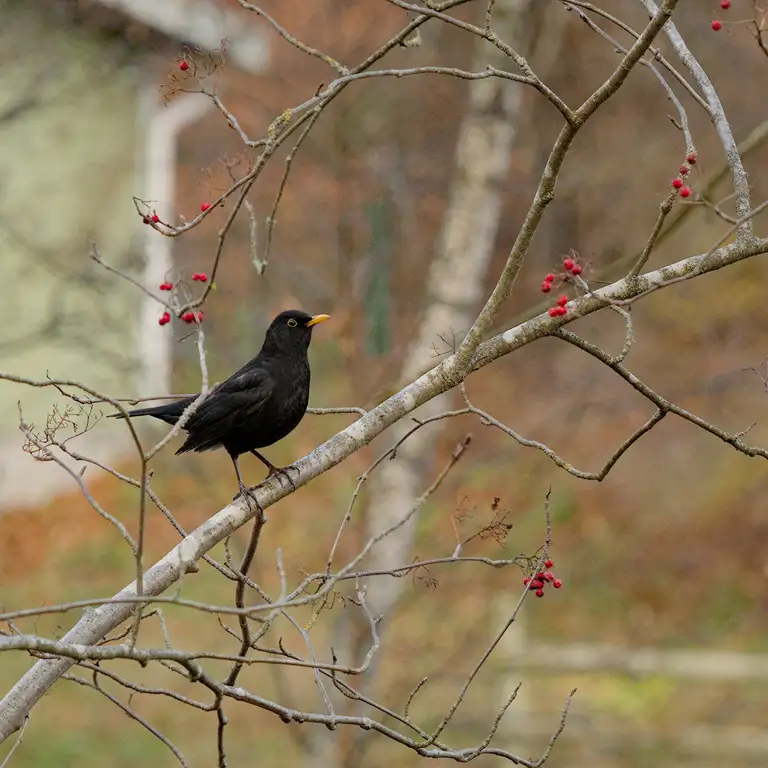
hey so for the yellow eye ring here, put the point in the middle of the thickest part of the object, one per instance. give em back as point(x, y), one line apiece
point(292, 323)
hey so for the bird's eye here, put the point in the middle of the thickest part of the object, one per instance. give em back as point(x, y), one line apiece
point(292, 323)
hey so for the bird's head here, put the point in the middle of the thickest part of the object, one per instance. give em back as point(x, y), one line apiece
point(292, 328)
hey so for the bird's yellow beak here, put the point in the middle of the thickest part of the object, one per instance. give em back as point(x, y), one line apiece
point(317, 319)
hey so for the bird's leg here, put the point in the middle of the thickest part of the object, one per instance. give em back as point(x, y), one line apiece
point(244, 489)
point(273, 470)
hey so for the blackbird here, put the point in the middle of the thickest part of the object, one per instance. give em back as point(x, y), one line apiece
point(256, 406)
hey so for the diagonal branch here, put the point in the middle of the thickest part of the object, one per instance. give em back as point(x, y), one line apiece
point(664, 405)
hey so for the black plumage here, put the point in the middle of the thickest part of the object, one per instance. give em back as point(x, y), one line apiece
point(259, 404)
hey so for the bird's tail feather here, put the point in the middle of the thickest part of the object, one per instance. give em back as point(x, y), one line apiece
point(170, 413)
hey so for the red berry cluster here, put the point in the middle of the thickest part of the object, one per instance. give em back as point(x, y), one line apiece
point(678, 183)
point(540, 580)
point(200, 276)
point(166, 286)
point(717, 25)
point(187, 317)
point(560, 309)
point(570, 266)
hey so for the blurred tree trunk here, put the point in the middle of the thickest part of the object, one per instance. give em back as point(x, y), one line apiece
point(455, 282)
point(457, 274)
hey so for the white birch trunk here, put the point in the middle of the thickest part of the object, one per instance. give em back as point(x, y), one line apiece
point(454, 290)
point(455, 282)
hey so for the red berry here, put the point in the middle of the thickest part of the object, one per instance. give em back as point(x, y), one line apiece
point(539, 593)
point(183, 65)
point(188, 317)
point(166, 286)
point(199, 317)
point(557, 583)
point(204, 207)
point(677, 183)
point(562, 311)
point(683, 170)
point(691, 159)
point(725, 4)
point(550, 278)
point(527, 580)
point(554, 311)
point(562, 301)
point(549, 576)
point(196, 276)
point(548, 564)
point(155, 218)
point(685, 192)
point(568, 264)
point(145, 219)
point(546, 287)
point(166, 318)
point(716, 25)
point(537, 584)
point(576, 269)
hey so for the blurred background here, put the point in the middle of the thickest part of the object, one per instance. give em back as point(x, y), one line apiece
point(662, 621)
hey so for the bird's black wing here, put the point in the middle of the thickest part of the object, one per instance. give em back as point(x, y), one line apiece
point(239, 399)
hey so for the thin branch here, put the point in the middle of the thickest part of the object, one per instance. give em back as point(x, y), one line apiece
point(738, 174)
point(16, 744)
point(689, 145)
point(660, 402)
point(562, 463)
point(573, 4)
point(131, 714)
point(296, 43)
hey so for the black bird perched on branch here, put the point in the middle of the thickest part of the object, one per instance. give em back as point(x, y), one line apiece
point(256, 406)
